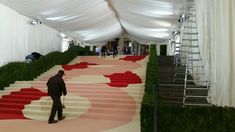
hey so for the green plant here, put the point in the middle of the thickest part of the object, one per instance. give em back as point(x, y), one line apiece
point(28, 71)
point(147, 113)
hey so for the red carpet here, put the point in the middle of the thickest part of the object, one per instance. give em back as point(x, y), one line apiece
point(123, 79)
point(81, 65)
point(133, 58)
point(11, 105)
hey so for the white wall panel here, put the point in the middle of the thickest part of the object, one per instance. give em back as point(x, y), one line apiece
point(18, 38)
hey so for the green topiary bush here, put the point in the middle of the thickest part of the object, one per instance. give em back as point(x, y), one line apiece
point(147, 114)
point(28, 71)
point(193, 119)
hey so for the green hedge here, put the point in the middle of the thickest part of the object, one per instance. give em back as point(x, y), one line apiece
point(151, 81)
point(28, 71)
point(194, 119)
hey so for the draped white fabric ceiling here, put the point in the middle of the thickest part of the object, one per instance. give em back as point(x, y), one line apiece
point(103, 20)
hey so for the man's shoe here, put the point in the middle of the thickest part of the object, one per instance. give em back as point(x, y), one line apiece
point(62, 118)
point(51, 122)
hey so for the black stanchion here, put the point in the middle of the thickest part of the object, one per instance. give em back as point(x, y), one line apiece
point(154, 108)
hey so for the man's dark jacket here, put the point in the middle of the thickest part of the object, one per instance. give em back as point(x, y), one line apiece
point(56, 86)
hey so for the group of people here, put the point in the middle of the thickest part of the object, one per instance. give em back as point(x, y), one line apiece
point(114, 44)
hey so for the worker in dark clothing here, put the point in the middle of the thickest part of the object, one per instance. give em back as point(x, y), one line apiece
point(115, 47)
point(103, 51)
point(56, 87)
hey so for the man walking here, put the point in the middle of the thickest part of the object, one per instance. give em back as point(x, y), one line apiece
point(56, 87)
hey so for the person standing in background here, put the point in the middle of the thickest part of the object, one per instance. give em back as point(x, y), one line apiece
point(115, 47)
point(103, 51)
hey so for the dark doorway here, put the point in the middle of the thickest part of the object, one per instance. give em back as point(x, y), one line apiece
point(127, 47)
point(163, 49)
point(87, 48)
point(94, 47)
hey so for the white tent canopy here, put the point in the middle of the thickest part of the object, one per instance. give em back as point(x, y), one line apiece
point(98, 21)
point(103, 20)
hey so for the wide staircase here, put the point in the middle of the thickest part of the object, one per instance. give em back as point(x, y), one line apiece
point(103, 95)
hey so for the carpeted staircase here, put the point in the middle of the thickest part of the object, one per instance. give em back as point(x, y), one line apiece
point(99, 90)
point(170, 92)
point(171, 86)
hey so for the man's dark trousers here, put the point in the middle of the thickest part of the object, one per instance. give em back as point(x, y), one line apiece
point(57, 106)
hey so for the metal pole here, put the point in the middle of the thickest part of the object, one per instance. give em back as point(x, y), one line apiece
point(154, 109)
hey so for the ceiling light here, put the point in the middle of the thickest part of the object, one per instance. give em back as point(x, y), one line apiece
point(159, 29)
point(163, 13)
point(180, 21)
point(55, 18)
point(36, 21)
point(175, 32)
point(182, 16)
point(159, 35)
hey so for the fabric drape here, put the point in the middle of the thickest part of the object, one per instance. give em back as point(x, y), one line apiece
point(216, 29)
point(100, 21)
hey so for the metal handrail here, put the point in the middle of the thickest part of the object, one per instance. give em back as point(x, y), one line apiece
point(185, 81)
point(186, 69)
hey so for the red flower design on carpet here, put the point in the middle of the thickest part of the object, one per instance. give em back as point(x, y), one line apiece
point(81, 65)
point(123, 79)
point(11, 105)
point(133, 58)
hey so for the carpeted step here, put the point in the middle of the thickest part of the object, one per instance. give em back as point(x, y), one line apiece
point(96, 102)
point(93, 115)
point(25, 97)
point(78, 87)
point(12, 105)
point(171, 90)
point(14, 102)
point(5, 110)
point(172, 99)
point(33, 112)
point(6, 116)
point(79, 107)
point(36, 96)
point(172, 103)
point(81, 85)
point(171, 94)
point(86, 91)
point(68, 84)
